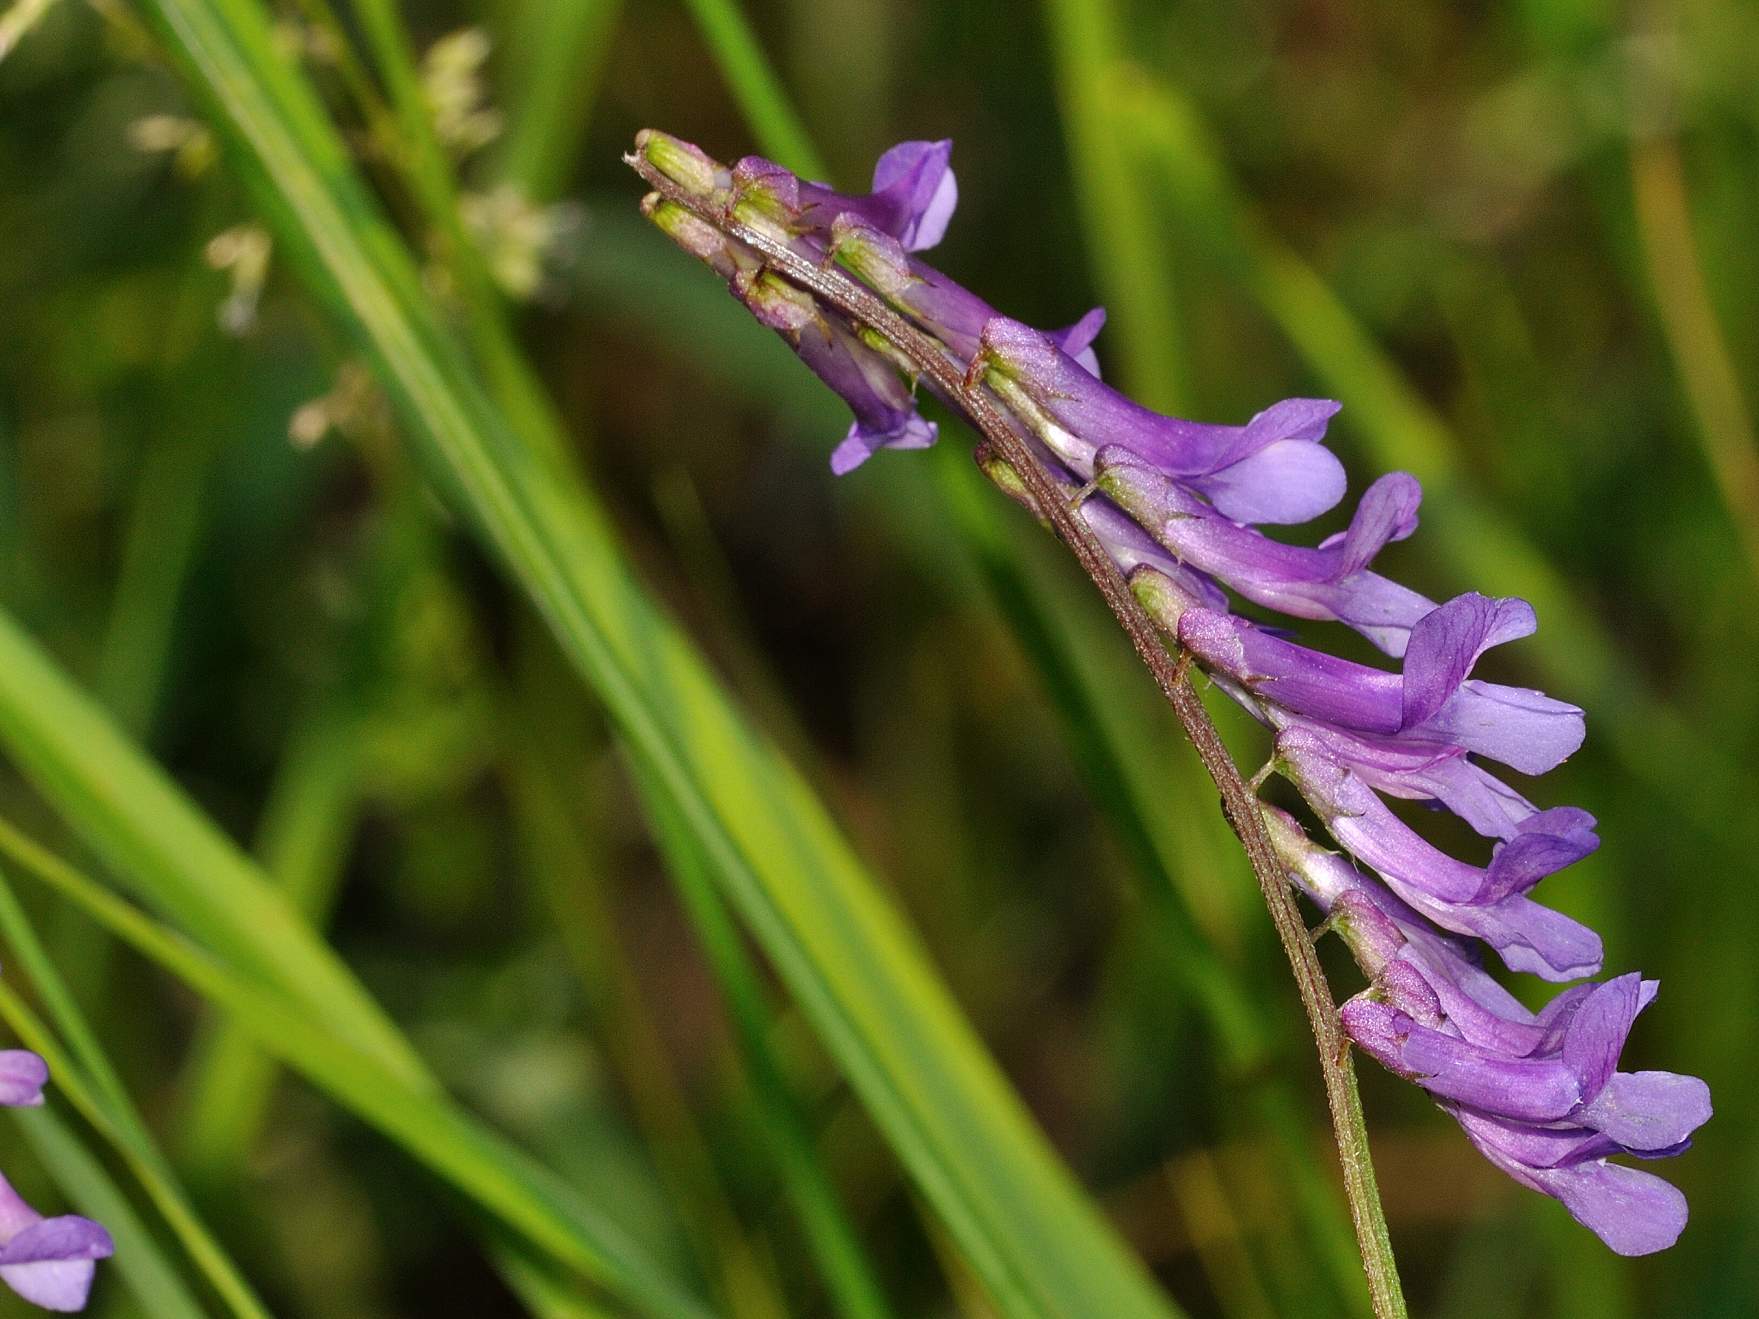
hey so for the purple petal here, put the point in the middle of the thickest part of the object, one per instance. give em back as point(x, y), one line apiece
point(1648, 1111)
point(50, 1264)
point(1633, 1212)
point(1377, 1029)
point(16, 1213)
point(917, 179)
point(1447, 643)
point(22, 1076)
point(1286, 481)
point(1077, 339)
point(1525, 1089)
point(1529, 1147)
point(1426, 772)
point(1597, 1032)
point(1386, 512)
point(1543, 844)
point(860, 444)
point(1523, 729)
point(1529, 937)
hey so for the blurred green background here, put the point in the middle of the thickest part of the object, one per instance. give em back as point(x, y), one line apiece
point(1515, 241)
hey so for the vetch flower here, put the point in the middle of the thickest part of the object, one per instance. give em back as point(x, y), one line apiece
point(1488, 902)
point(1329, 582)
point(1272, 469)
point(48, 1261)
point(1431, 702)
point(1539, 1094)
point(22, 1077)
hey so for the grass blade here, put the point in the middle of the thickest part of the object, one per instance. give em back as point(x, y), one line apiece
point(145, 1271)
point(762, 102)
point(848, 959)
point(491, 1173)
point(1129, 253)
point(556, 52)
point(134, 817)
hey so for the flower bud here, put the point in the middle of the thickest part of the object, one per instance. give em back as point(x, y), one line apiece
point(684, 163)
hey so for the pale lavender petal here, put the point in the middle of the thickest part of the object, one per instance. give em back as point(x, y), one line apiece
point(1286, 481)
point(1529, 937)
point(1648, 1111)
point(50, 1263)
point(22, 1076)
point(16, 1213)
point(1526, 730)
point(1633, 1212)
point(860, 444)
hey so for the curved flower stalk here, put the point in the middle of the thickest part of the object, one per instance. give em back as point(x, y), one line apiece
point(1176, 505)
point(48, 1261)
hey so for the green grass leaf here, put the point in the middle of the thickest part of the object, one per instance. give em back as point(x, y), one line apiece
point(498, 1178)
point(853, 965)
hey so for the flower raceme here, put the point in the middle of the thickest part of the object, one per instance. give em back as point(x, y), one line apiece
point(1178, 505)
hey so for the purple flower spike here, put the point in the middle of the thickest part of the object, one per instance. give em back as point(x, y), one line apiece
point(22, 1077)
point(48, 1261)
point(1272, 469)
point(1436, 1017)
point(1176, 505)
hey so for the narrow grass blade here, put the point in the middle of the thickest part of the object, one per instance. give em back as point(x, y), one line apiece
point(755, 86)
point(1129, 249)
point(560, 832)
point(555, 55)
point(131, 815)
point(143, 1268)
point(854, 1290)
point(852, 964)
point(1688, 319)
point(307, 822)
point(495, 1176)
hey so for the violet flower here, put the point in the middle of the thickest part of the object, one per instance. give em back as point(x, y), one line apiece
point(1329, 582)
point(1272, 469)
point(1539, 1094)
point(48, 1261)
point(1175, 503)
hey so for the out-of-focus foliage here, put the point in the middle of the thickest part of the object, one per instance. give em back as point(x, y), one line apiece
point(1514, 243)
